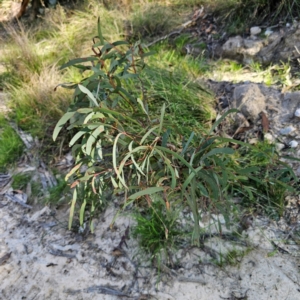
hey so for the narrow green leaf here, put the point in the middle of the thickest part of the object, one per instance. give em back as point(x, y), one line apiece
point(165, 138)
point(248, 170)
point(85, 110)
point(140, 102)
point(217, 151)
point(248, 190)
point(72, 208)
point(173, 174)
point(162, 114)
point(78, 60)
point(210, 182)
point(129, 154)
point(190, 177)
point(118, 43)
point(133, 159)
point(147, 191)
point(82, 67)
point(81, 213)
point(100, 32)
point(113, 65)
point(67, 85)
point(73, 170)
point(148, 133)
point(187, 143)
point(114, 157)
point(63, 120)
point(88, 93)
point(89, 143)
point(202, 189)
point(115, 185)
point(76, 137)
point(216, 124)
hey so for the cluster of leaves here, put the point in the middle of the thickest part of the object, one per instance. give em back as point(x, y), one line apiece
point(120, 144)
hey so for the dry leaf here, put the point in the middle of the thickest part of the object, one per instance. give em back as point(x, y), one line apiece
point(242, 129)
point(264, 122)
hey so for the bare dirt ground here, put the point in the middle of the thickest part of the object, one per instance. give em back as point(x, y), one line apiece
point(41, 259)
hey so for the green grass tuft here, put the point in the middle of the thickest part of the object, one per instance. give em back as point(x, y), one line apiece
point(11, 146)
point(157, 229)
point(20, 181)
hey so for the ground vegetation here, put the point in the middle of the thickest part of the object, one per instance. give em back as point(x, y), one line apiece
point(142, 126)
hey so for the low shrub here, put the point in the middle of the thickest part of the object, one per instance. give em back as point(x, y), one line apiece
point(122, 142)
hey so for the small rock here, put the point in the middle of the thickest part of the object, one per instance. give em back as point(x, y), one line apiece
point(279, 146)
point(297, 112)
point(293, 144)
point(249, 99)
point(269, 137)
point(287, 130)
point(228, 88)
point(268, 32)
point(232, 46)
point(253, 141)
point(255, 30)
point(223, 102)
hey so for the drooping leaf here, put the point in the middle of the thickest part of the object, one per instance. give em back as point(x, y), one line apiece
point(76, 137)
point(88, 93)
point(63, 120)
point(73, 170)
point(147, 191)
point(78, 60)
point(218, 151)
point(216, 124)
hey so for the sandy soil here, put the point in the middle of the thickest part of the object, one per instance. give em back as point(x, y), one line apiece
point(41, 259)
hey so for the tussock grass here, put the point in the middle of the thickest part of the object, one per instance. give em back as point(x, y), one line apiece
point(20, 56)
point(11, 146)
point(20, 181)
point(158, 230)
point(151, 21)
point(240, 15)
point(35, 103)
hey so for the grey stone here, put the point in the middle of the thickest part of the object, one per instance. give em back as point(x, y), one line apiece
point(255, 30)
point(232, 47)
point(249, 100)
point(269, 137)
point(287, 130)
point(293, 144)
point(279, 146)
